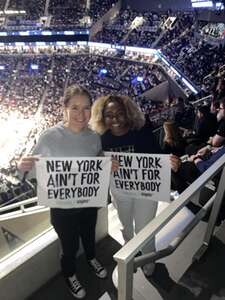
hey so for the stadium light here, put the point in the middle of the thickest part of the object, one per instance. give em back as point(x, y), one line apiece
point(175, 71)
point(189, 86)
point(219, 5)
point(103, 72)
point(46, 33)
point(140, 79)
point(34, 67)
point(137, 79)
point(19, 43)
point(69, 32)
point(202, 4)
point(40, 43)
point(24, 33)
point(61, 43)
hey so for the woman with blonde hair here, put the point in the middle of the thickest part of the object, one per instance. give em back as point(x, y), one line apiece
point(121, 124)
point(134, 117)
point(173, 141)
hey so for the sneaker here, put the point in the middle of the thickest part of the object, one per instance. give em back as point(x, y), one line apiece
point(99, 270)
point(148, 269)
point(75, 287)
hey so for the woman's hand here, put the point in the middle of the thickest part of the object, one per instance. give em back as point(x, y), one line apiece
point(115, 165)
point(26, 163)
point(175, 162)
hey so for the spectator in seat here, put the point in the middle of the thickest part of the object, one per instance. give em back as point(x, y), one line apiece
point(219, 138)
point(173, 141)
point(205, 126)
point(197, 164)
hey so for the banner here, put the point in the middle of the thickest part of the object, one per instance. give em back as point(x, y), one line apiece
point(143, 176)
point(73, 182)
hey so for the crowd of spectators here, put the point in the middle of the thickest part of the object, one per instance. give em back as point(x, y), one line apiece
point(35, 93)
point(195, 58)
point(99, 7)
point(32, 87)
point(34, 10)
point(21, 93)
point(66, 12)
point(216, 30)
point(59, 70)
point(127, 29)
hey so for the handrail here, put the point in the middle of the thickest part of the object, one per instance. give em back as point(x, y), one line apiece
point(207, 76)
point(16, 198)
point(150, 257)
point(18, 204)
point(194, 103)
point(125, 256)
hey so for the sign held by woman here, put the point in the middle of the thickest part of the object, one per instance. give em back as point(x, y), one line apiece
point(73, 182)
point(143, 176)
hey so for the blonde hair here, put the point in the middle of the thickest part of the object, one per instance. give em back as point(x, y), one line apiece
point(172, 134)
point(134, 116)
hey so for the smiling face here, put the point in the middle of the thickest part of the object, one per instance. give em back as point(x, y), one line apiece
point(115, 118)
point(78, 113)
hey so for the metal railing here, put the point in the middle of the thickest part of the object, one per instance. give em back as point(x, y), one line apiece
point(202, 100)
point(21, 207)
point(125, 258)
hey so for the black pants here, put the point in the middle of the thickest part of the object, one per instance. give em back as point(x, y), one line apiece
point(186, 174)
point(180, 180)
point(70, 225)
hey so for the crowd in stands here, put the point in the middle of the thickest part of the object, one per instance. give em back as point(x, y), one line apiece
point(36, 93)
point(122, 30)
point(21, 94)
point(26, 91)
point(195, 58)
point(34, 9)
point(66, 12)
point(99, 7)
point(121, 77)
point(216, 30)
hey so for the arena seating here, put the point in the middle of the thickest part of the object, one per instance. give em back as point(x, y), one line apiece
point(35, 81)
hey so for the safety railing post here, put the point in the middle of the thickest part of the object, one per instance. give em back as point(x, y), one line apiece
point(125, 280)
point(213, 216)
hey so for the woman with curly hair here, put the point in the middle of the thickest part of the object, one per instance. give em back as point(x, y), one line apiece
point(121, 124)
